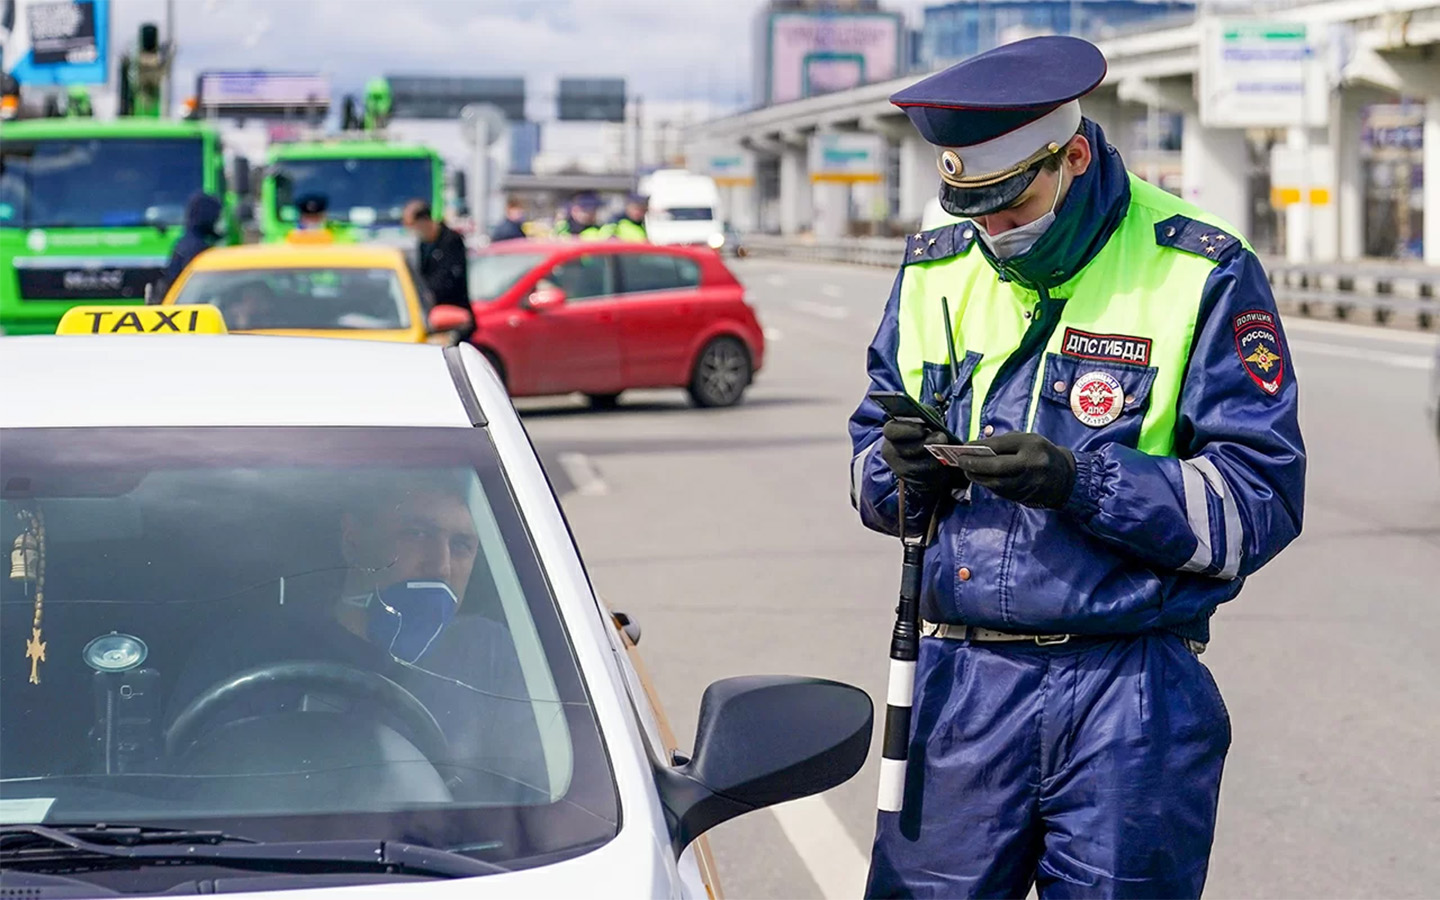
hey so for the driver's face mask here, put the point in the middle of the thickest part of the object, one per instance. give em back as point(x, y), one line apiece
point(1020, 239)
point(406, 617)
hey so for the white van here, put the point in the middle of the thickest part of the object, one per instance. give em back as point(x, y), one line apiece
point(684, 208)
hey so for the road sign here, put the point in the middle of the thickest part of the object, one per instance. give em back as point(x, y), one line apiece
point(441, 97)
point(591, 100)
point(1256, 74)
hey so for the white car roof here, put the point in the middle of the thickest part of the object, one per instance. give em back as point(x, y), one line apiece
point(83, 381)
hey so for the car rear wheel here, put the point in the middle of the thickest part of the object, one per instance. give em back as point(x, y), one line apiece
point(604, 401)
point(722, 373)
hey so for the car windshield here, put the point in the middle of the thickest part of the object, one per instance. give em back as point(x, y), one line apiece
point(492, 274)
point(310, 298)
point(689, 213)
point(360, 190)
point(286, 634)
point(104, 182)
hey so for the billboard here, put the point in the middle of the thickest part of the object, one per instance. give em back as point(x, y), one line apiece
point(809, 53)
point(1257, 74)
point(591, 100)
point(263, 94)
point(442, 97)
point(59, 42)
point(848, 157)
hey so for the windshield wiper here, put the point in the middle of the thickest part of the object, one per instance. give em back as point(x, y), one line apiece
point(36, 846)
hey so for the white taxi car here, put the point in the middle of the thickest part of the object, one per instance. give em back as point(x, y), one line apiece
point(301, 614)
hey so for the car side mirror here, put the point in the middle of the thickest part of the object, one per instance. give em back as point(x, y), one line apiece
point(546, 298)
point(763, 740)
point(448, 318)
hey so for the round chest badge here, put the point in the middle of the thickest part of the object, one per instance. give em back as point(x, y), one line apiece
point(1096, 399)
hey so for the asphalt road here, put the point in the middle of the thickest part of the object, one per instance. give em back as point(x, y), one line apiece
point(729, 536)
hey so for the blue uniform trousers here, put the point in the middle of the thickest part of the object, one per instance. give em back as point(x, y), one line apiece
point(1089, 769)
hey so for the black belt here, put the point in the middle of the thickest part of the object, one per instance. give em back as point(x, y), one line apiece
point(949, 632)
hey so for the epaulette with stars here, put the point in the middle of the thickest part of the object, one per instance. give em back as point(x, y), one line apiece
point(939, 243)
point(1199, 238)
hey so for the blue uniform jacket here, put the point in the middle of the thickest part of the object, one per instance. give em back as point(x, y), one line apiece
point(1126, 554)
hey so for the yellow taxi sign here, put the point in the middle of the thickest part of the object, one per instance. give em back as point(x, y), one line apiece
point(194, 318)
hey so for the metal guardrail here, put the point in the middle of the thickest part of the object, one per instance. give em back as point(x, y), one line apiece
point(1385, 293)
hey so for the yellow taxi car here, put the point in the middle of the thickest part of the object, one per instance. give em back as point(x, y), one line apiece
point(309, 290)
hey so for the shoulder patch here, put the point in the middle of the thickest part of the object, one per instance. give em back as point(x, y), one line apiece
point(1257, 340)
point(1199, 238)
point(939, 243)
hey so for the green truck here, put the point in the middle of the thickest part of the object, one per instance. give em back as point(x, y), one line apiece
point(366, 182)
point(89, 210)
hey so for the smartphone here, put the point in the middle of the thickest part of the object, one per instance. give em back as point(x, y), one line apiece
point(950, 454)
point(900, 405)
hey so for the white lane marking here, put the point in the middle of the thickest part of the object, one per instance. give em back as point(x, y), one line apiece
point(831, 857)
point(776, 280)
point(1295, 324)
point(1394, 360)
point(772, 334)
point(582, 473)
point(832, 291)
point(823, 310)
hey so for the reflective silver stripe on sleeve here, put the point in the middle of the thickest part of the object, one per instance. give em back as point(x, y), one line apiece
point(1197, 509)
point(857, 472)
point(1234, 528)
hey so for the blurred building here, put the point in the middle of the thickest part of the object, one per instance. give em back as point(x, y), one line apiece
point(962, 28)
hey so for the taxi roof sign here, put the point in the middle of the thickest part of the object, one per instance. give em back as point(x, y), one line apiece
point(194, 318)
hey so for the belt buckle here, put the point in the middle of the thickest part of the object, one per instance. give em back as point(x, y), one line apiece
point(1051, 640)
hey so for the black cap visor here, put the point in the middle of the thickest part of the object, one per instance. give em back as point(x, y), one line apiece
point(982, 201)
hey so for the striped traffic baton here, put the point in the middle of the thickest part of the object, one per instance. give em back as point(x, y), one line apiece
point(904, 650)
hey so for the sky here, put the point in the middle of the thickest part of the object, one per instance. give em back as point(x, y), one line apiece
point(666, 49)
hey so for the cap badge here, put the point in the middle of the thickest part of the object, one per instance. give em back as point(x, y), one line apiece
point(951, 164)
point(1097, 399)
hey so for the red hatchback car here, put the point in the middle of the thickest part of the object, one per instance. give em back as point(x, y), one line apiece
point(602, 317)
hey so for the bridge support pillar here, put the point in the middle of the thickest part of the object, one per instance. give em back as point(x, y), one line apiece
point(1215, 163)
point(831, 208)
point(795, 197)
point(1311, 228)
point(919, 179)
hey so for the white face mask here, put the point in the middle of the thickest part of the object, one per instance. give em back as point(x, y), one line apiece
point(1018, 240)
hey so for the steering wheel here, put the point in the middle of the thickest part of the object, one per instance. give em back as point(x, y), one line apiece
point(355, 684)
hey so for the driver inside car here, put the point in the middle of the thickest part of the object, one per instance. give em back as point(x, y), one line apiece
point(410, 549)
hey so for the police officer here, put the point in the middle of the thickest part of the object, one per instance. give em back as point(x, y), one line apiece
point(312, 226)
point(630, 225)
point(1119, 351)
point(582, 221)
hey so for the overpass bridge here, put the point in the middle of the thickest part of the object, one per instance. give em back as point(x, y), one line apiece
point(1375, 51)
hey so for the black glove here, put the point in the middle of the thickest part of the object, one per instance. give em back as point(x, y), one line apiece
point(904, 452)
point(1027, 468)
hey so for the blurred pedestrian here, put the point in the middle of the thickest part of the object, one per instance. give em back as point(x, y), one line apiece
point(1116, 369)
point(512, 227)
point(630, 225)
point(202, 214)
point(443, 260)
point(582, 219)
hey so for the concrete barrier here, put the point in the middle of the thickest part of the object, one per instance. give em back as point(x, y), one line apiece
point(1381, 292)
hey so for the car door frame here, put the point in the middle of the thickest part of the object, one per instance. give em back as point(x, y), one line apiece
point(657, 327)
point(531, 364)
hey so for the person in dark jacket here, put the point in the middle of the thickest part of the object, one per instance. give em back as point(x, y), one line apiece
point(202, 212)
point(513, 226)
point(444, 263)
